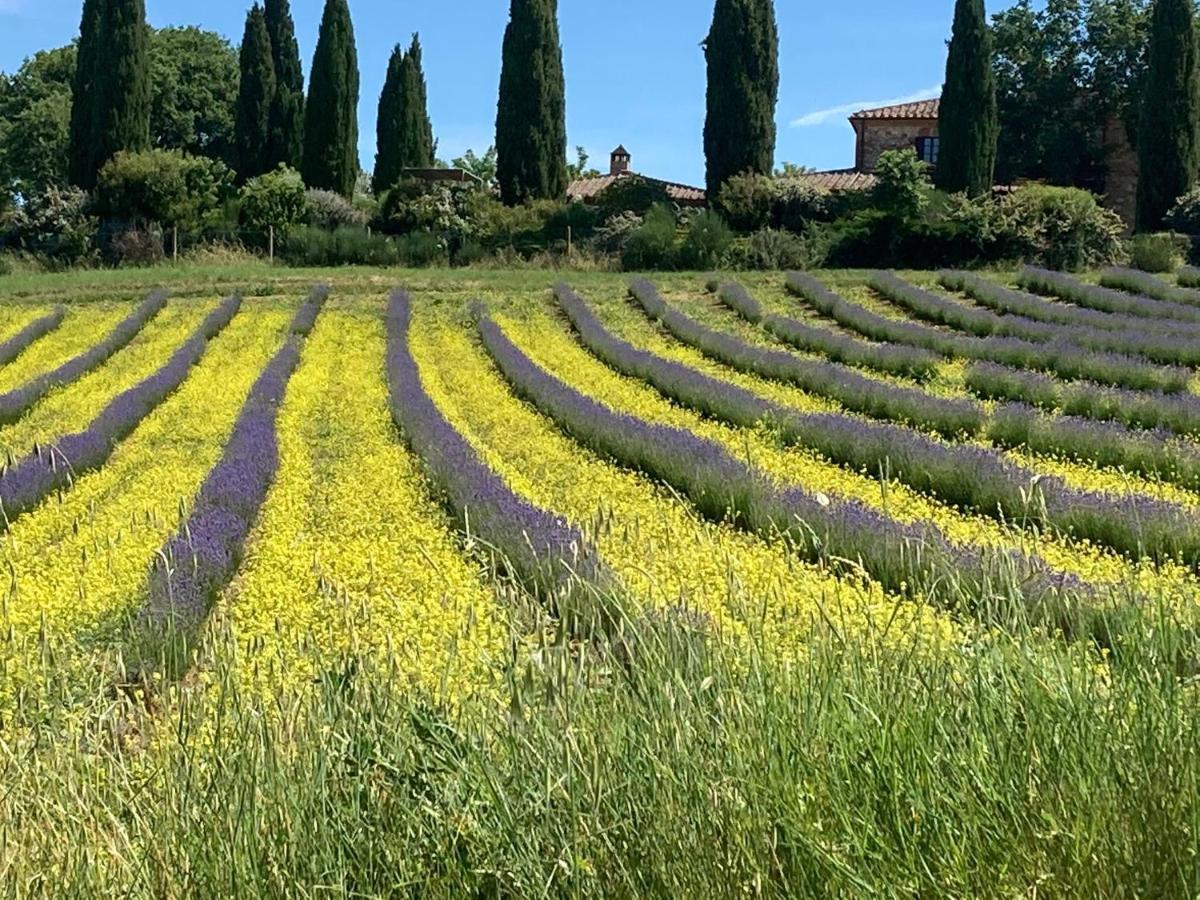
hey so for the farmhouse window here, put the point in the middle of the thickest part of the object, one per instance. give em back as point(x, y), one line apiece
point(927, 149)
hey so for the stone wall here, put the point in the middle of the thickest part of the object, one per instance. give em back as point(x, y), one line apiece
point(1121, 179)
point(876, 136)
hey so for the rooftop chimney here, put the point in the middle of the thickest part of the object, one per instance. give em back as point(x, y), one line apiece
point(619, 164)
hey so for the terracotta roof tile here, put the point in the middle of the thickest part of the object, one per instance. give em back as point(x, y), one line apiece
point(922, 109)
point(587, 188)
point(838, 180)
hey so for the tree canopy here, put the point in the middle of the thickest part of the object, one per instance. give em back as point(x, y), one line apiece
point(287, 106)
point(331, 112)
point(256, 92)
point(967, 123)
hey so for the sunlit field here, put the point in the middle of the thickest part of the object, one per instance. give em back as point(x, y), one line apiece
point(521, 583)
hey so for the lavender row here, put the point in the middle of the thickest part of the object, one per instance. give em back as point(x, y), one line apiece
point(974, 478)
point(549, 555)
point(893, 359)
point(1177, 413)
point(38, 328)
point(30, 480)
point(1026, 343)
point(1127, 335)
point(198, 561)
point(17, 402)
point(854, 391)
point(1091, 296)
point(1007, 301)
point(1146, 285)
point(916, 560)
point(1155, 454)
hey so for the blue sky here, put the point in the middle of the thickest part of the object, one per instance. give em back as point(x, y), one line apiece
point(635, 71)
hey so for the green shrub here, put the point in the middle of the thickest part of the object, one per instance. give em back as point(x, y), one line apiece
point(902, 190)
point(442, 210)
point(746, 202)
point(631, 193)
point(796, 204)
point(314, 247)
point(706, 241)
point(6, 266)
point(55, 226)
point(272, 199)
point(769, 250)
point(163, 186)
point(330, 210)
point(652, 245)
point(1059, 228)
point(420, 250)
point(132, 245)
point(614, 234)
point(1184, 216)
point(1163, 252)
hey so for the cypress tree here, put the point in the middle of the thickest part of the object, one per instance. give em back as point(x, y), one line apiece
point(286, 143)
point(122, 80)
point(256, 90)
point(416, 131)
point(388, 125)
point(331, 113)
point(968, 123)
point(742, 54)
point(81, 164)
point(531, 115)
point(1168, 137)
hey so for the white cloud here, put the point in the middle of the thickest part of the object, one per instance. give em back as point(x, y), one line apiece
point(821, 116)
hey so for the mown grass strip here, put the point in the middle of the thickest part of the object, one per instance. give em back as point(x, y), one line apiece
point(975, 478)
point(1091, 296)
point(891, 359)
point(549, 555)
point(14, 403)
point(913, 560)
point(197, 562)
point(38, 328)
point(30, 480)
point(1025, 343)
point(854, 391)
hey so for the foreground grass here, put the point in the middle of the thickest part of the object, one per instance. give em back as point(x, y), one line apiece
point(1009, 767)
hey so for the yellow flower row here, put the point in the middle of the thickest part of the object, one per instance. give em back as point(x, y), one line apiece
point(665, 555)
point(77, 566)
point(72, 407)
point(83, 327)
point(350, 554)
point(14, 317)
point(552, 347)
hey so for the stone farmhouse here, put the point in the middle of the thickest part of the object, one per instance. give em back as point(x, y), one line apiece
point(588, 189)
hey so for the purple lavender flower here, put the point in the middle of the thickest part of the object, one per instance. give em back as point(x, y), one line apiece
point(1063, 286)
point(914, 559)
point(15, 345)
point(851, 389)
point(1135, 281)
point(28, 481)
point(975, 478)
point(16, 402)
point(548, 554)
point(197, 562)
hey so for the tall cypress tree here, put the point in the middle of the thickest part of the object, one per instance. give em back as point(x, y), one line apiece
point(416, 131)
point(1168, 137)
point(388, 125)
point(742, 53)
point(968, 123)
point(122, 80)
point(111, 104)
point(531, 116)
point(287, 106)
point(331, 113)
point(81, 165)
point(256, 91)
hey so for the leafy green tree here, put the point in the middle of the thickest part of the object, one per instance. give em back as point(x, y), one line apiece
point(968, 123)
point(255, 93)
point(273, 200)
point(482, 167)
point(902, 189)
point(1169, 136)
point(531, 115)
point(193, 93)
point(166, 187)
point(403, 131)
point(121, 81)
point(287, 107)
point(331, 112)
point(81, 163)
point(742, 53)
point(35, 113)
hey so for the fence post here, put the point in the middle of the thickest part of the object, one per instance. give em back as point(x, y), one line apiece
point(568, 240)
point(271, 243)
point(175, 243)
